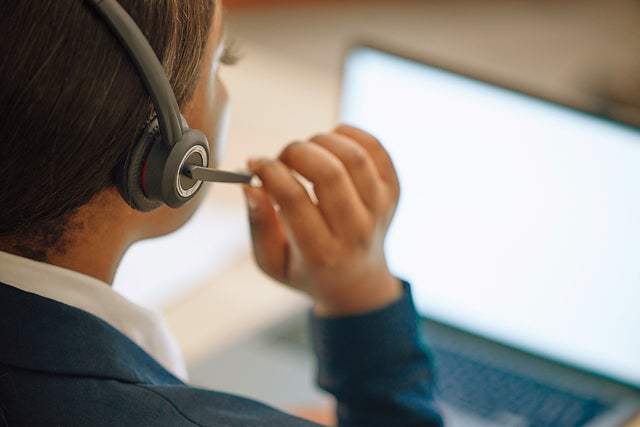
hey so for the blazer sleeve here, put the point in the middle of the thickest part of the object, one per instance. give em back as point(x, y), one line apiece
point(376, 367)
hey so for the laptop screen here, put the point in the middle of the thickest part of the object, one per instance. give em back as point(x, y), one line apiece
point(519, 219)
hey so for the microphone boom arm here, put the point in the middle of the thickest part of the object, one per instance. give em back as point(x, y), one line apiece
point(200, 173)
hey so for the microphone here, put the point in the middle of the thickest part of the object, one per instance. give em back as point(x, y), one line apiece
point(200, 173)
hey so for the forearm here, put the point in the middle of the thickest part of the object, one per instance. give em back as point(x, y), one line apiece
point(376, 367)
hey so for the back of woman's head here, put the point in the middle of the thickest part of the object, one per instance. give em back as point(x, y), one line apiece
point(73, 103)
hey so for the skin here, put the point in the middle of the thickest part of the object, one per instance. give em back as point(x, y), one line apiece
point(332, 249)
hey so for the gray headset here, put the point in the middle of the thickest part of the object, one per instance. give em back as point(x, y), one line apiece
point(168, 163)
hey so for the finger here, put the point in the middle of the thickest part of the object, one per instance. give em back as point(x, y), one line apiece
point(302, 219)
point(377, 152)
point(270, 246)
point(338, 199)
point(356, 159)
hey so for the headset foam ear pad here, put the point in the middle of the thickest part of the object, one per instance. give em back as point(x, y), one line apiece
point(130, 174)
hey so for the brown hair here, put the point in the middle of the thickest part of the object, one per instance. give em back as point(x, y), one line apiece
point(73, 103)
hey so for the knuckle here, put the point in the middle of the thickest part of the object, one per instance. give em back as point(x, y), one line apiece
point(375, 197)
point(358, 157)
point(375, 140)
point(358, 133)
point(291, 150)
point(292, 197)
point(325, 260)
point(332, 174)
point(371, 138)
point(319, 138)
point(267, 167)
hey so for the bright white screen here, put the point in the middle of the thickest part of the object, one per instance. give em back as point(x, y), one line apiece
point(519, 219)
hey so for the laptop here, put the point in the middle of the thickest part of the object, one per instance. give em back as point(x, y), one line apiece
point(519, 229)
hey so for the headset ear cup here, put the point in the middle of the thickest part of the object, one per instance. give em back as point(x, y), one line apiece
point(129, 176)
point(164, 179)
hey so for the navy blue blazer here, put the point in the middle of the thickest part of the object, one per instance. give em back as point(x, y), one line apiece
point(61, 366)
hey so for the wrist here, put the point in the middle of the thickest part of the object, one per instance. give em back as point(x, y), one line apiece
point(360, 299)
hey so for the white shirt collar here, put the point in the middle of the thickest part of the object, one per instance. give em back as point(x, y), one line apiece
point(144, 327)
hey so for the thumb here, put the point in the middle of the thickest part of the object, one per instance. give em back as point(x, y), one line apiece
point(270, 246)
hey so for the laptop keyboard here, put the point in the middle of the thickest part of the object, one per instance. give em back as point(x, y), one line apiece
point(498, 394)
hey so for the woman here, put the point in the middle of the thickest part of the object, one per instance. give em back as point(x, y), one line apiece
point(76, 353)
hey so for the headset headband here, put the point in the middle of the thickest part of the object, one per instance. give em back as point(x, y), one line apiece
point(169, 171)
point(149, 68)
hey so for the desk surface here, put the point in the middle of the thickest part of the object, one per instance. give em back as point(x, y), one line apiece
point(287, 87)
